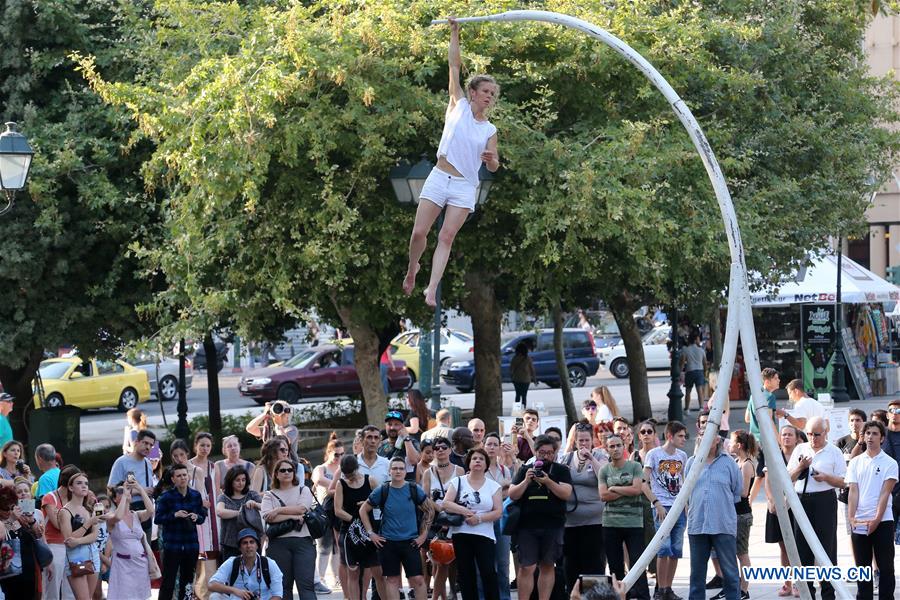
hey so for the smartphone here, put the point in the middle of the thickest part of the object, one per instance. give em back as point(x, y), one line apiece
point(520, 422)
point(130, 477)
point(813, 472)
point(591, 581)
point(27, 506)
point(861, 529)
point(99, 509)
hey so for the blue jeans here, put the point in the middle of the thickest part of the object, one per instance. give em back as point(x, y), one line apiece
point(385, 382)
point(502, 561)
point(726, 548)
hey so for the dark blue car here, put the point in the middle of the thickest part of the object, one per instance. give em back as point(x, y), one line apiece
point(578, 344)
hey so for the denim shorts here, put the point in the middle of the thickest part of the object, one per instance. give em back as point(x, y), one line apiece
point(444, 189)
point(673, 545)
point(82, 553)
point(743, 533)
point(693, 379)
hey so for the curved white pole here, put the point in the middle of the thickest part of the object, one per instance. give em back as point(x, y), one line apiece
point(740, 316)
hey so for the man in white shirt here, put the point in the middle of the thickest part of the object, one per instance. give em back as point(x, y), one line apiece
point(803, 408)
point(871, 477)
point(369, 462)
point(817, 469)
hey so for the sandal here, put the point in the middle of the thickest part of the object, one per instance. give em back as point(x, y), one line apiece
point(785, 590)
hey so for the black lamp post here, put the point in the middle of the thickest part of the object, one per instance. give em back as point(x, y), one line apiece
point(838, 386)
point(181, 427)
point(15, 164)
point(408, 182)
point(675, 394)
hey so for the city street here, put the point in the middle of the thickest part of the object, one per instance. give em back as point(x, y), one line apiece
point(104, 427)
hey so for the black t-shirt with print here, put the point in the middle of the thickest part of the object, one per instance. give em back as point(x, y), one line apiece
point(541, 509)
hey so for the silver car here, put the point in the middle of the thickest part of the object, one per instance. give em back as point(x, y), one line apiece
point(164, 381)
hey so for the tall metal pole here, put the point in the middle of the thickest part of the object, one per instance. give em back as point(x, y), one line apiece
point(181, 427)
point(740, 315)
point(436, 343)
point(838, 385)
point(675, 394)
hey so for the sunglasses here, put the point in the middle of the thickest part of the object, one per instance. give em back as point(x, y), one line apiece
point(285, 470)
point(339, 454)
point(584, 427)
point(590, 407)
point(894, 410)
point(647, 432)
point(441, 447)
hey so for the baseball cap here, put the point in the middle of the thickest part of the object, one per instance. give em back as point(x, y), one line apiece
point(4, 397)
point(393, 414)
point(247, 532)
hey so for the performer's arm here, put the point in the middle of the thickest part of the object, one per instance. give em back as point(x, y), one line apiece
point(489, 156)
point(453, 57)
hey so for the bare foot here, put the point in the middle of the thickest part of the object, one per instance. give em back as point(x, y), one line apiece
point(409, 282)
point(430, 298)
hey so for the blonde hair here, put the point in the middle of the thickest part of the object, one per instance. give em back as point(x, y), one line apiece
point(606, 398)
point(477, 80)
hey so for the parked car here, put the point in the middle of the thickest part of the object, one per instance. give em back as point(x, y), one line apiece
point(578, 345)
point(454, 343)
point(656, 353)
point(221, 356)
point(322, 371)
point(91, 384)
point(164, 386)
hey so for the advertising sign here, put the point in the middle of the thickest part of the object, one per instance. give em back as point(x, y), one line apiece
point(817, 332)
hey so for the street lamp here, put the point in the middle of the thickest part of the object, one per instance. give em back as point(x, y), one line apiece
point(408, 182)
point(675, 394)
point(838, 387)
point(15, 163)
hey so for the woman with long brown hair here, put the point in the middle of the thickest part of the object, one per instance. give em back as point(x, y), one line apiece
point(80, 528)
point(272, 451)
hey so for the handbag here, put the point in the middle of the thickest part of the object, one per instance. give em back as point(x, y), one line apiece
point(81, 568)
point(317, 521)
point(42, 552)
point(250, 518)
point(10, 557)
point(274, 530)
point(446, 519)
point(152, 566)
point(512, 512)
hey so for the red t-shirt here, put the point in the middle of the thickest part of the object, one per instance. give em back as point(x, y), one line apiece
point(52, 534)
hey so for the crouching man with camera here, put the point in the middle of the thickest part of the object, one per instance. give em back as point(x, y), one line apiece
point(248, 576)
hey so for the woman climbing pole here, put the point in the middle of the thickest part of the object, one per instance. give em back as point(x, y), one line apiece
point(468, 140)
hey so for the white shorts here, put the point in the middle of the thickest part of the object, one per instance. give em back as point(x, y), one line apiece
point(444, 189)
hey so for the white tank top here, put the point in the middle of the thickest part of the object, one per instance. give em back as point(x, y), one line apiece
point(464, 139)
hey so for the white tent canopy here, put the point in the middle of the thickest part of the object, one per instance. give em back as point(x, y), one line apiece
point(817, 284)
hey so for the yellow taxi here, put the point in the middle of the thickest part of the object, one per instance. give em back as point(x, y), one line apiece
point(91, 384)
point(403, 350)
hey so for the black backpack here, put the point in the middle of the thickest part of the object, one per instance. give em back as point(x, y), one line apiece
point(385, 490)
point(263, 566)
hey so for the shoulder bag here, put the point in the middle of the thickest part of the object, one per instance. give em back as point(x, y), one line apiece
point(317, 520)
point(448, 519)
point(274, 530)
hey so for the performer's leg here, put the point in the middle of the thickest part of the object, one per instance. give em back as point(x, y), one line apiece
point(427, 212)
point(453, 220)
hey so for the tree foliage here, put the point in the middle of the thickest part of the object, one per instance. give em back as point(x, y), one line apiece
point(276, 124)
point(66, 276)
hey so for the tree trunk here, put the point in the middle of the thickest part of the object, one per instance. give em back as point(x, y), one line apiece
point(481, 304)
point(565, 386)
point(212, 382)
point(366, 360)
point(634, 354)
point(715, 332)
point(18, 382)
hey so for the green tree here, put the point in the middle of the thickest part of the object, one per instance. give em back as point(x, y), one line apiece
point(66, 276)
point(275, 127)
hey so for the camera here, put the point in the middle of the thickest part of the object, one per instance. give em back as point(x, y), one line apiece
point(279, 408)
point(20, 465)
point(538, 468)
